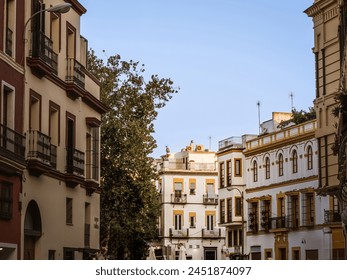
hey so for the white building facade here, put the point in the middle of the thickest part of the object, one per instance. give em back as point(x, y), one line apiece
point(189, 220)
point(286, 219)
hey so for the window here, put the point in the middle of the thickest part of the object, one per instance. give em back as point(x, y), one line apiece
point(267, 168)
point(54, 123)
point(253, 214)
point(10, 27)
point(295, 161)
point(293, 211)
point(178, 189)
point(6, 200)
point(229, 210)
point(221, 175)
point(192, 187)
point(69, 253)
point(308, 211)
point(229, 173)
point(178, 221)
point(309, 158)
point(69, 211)
point(280, 165)
point(280, 207)
point(268, 254)
point(92, 154)
point(210, 190)
point(51, 254)
point(192, 219)
point(7, 108)
point(265, 214)
point(235, 238)
point(238, 206)
point(255, 171)
point(55, 31)
point(296, 253)
point(35, 111)
point(238, 167)
point(222, 211)
point(210, 220)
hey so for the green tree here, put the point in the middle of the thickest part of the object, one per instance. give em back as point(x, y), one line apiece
point(129, 200)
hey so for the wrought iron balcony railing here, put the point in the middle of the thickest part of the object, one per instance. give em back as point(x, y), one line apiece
point(74, 162)
point(211, 233)
point(277, 223)
point(75, 72)
point(332, 216)
point(179, 233)
point(182, 199)
point(12, 144)
point(42, 47)
point(210, 199)
point(39, 146)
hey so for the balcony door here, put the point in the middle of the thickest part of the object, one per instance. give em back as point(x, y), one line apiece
point(70, 141)
point(178, 222)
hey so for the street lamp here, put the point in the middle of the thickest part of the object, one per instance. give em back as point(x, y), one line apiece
point(235, 187)
point(60, 8)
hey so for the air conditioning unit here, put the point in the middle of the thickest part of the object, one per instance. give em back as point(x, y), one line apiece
point(199, 148)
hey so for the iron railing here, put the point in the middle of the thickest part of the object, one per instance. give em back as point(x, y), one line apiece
point(42, 47)
point(179, 233)
point(39, 146)
point(332, 216)
point(74, 161)
point(12, 144)
point(182, 199)
point(210, 199)
point(75, 72)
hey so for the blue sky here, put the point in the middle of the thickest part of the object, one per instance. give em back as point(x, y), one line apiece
point(225, 55)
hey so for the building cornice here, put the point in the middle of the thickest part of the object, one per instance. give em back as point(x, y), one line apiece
point(188, 172)
point(318, 8)
point(77, 6)
point(272, 146)
point(282, 184)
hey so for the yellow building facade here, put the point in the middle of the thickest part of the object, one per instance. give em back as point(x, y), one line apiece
point(62, 115)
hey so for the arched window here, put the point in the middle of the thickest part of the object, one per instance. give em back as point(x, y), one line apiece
point(309, 158)
point(255, 171)
point(267, 168)
point(295, 161)
point(280, 165)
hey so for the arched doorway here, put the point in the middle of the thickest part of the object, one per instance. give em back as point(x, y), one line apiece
point(32, 229)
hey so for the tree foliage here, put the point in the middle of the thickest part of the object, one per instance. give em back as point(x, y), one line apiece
point(303, 116)
point(299, 117)
point(129, 200)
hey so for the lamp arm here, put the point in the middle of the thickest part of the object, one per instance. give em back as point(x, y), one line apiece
point(29, 19)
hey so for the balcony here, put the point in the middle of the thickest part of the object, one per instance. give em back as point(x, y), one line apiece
point(12, 150)
point(43, 60)
point(210, 199)
point(332, 217)
point(9, 41)
point(278, 223)
point(182, 199)
point(39, 153)
point(211, 233)
point(74, 167)
point(264, 220)
point(92, 177)
point(179, 233)
point(293, 222)
point(75, 78)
